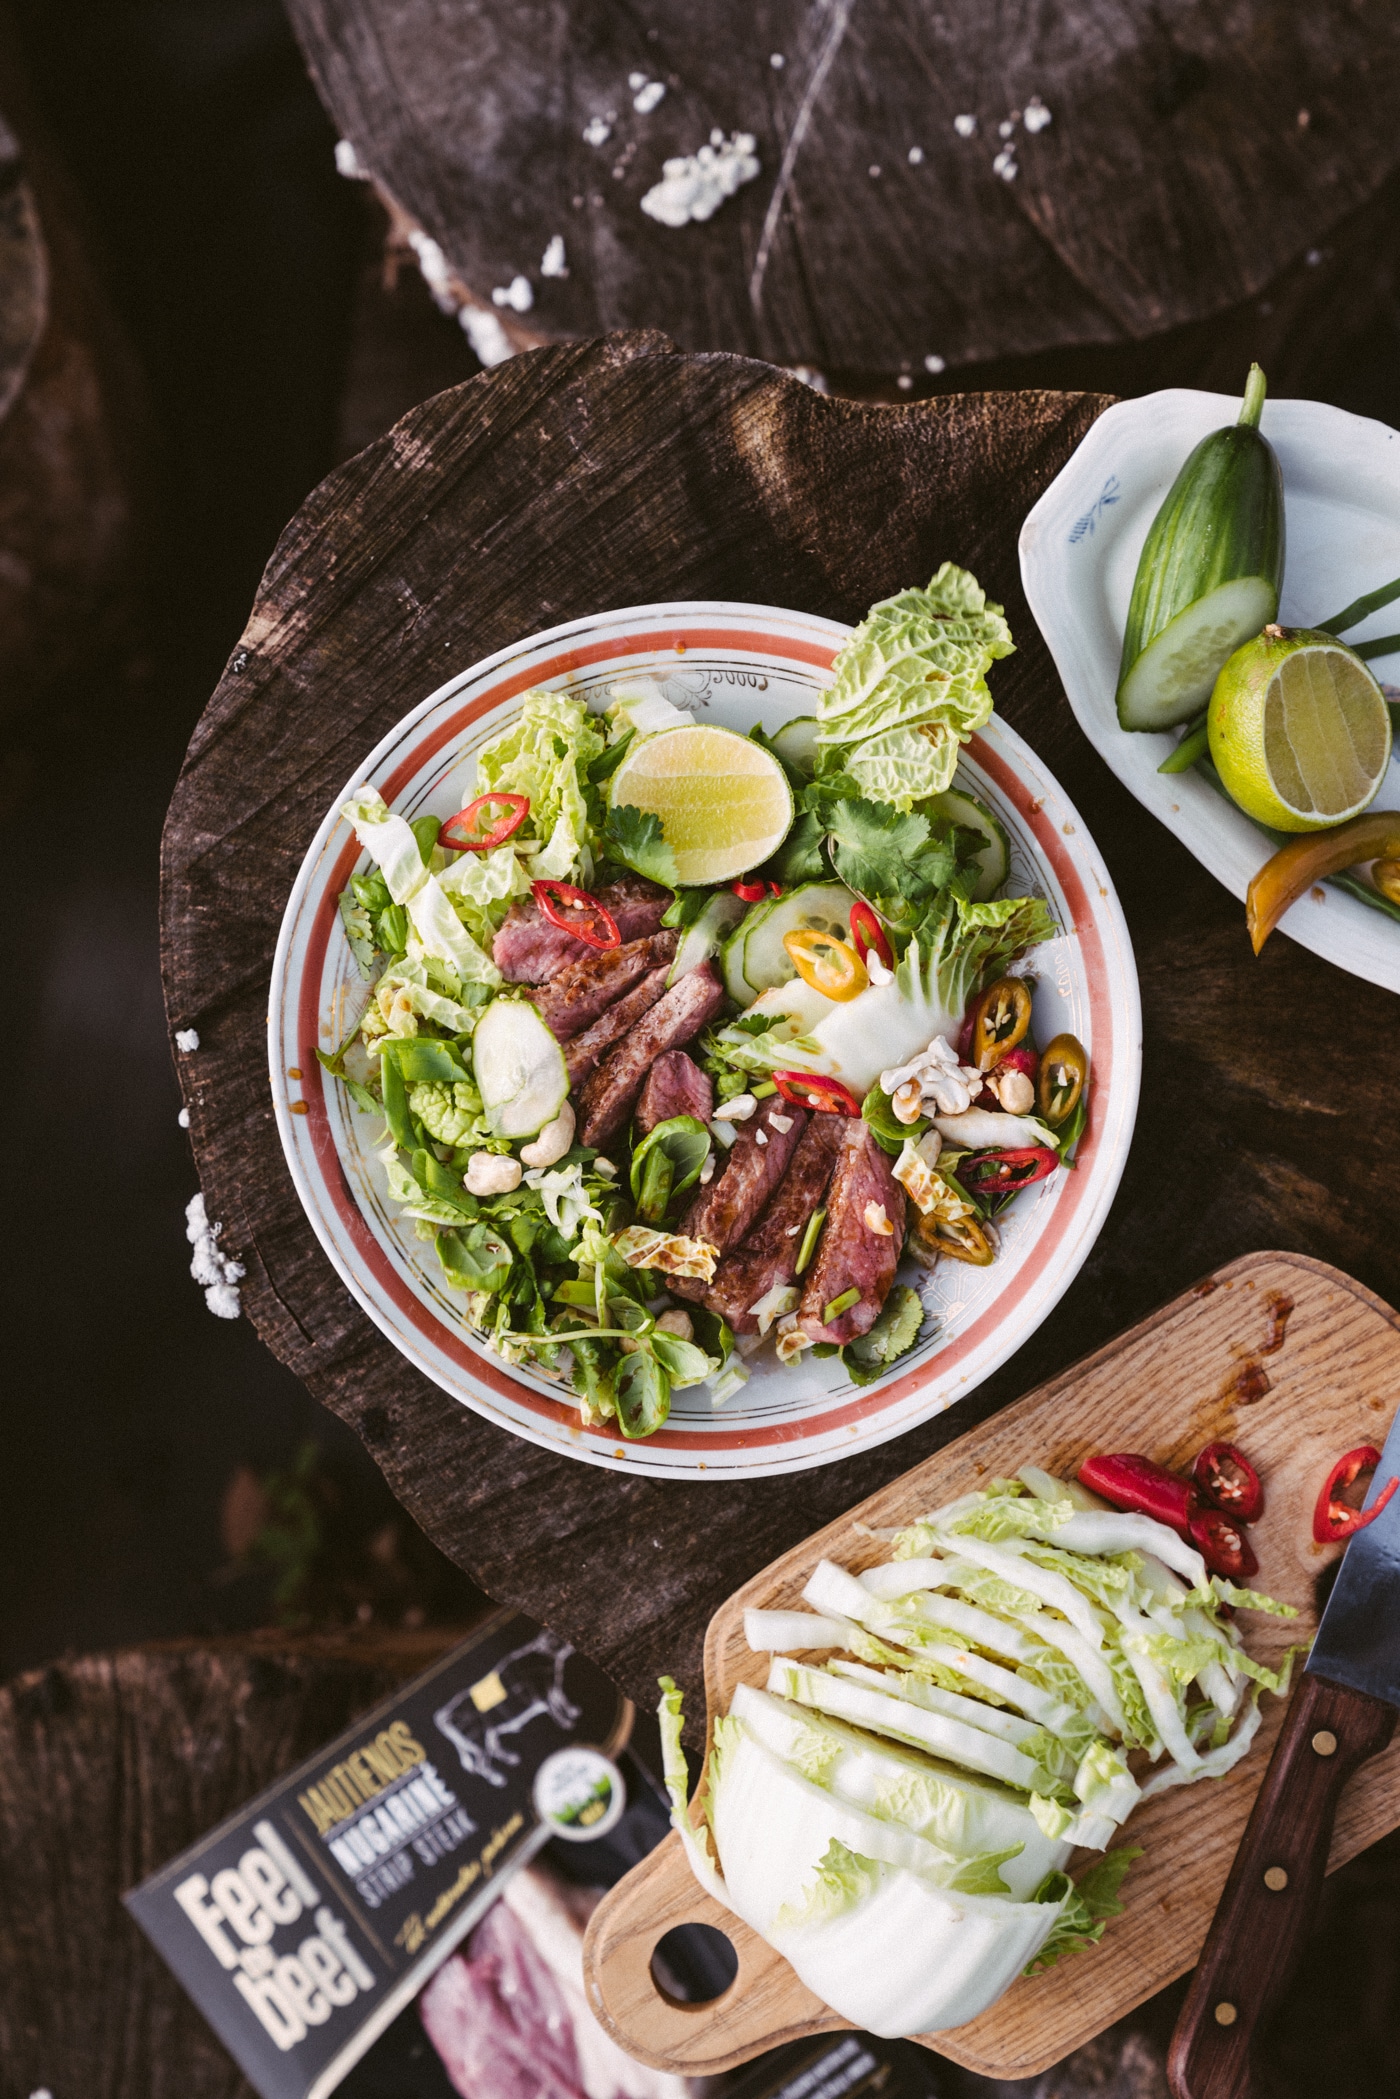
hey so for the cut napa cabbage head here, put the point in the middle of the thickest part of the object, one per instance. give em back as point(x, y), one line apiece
point(893, 1945)
point(963, 1815)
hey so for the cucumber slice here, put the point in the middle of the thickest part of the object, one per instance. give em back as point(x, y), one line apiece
point(995, 858)
point(707, 934)
point(796, 742)
point(1173, 678)
point(822, 907)
point(520, 1070)
point(731, 956)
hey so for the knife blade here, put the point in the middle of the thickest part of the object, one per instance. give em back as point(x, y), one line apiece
point(1358, 1641)
point(1342, 1712)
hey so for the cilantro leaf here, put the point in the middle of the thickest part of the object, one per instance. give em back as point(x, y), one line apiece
point(636, 837)
point(880, 853)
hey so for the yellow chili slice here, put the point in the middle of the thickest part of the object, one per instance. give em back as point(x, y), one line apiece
point(1003, 1016)
point(829, 965)
point(963, 1238)
point(1063, 1071)
point(1296, 866)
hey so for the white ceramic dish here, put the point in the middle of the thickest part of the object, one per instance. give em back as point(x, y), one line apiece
point(734, 664)
point(1079, 554)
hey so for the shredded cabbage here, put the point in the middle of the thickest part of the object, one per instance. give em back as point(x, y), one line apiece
point(542, 755)
point(909, 688)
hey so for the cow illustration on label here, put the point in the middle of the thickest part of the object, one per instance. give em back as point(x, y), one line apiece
point(524, 1685)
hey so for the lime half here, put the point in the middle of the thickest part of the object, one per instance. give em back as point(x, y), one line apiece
point(724, 803)
point(1299, 730)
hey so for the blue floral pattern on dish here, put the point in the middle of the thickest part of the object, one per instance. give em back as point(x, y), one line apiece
point(1083, 527)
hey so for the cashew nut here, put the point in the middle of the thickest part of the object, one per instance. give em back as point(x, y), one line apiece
point(1015, 1092)
point(492, 1173)
point(553, 1141)
point(677, 1321)
point(737, 1110)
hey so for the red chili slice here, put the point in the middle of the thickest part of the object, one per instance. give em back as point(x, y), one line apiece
point(1142, 1485)
point(1223, 1544)
point(750, 892)
point(812, 1089)
point(998, 1173)
point(1334, 1520)
point(516, 808)
point(1228, 1481)
point(868, 935)
point(577, 912)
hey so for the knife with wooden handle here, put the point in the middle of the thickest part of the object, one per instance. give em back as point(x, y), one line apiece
point(1343, 1711)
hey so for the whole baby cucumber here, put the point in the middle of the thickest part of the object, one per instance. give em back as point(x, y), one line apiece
point(1209, 574)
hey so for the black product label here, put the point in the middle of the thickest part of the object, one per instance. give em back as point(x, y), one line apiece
point(303, 1923)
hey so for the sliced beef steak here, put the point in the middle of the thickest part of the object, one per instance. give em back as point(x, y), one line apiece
point(767, 1258)
point(577, 995)
point(675, 1085)
point(852, 1255)
point(584, 1051)
point(607, 1096)
point(735, 1200)
point(529, 950)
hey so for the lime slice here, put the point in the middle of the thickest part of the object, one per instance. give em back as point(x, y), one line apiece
point(724, 803)
point(1299, 730)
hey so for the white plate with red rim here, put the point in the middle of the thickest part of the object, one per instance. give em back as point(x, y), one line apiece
point(734, 665)
point(1079, 554)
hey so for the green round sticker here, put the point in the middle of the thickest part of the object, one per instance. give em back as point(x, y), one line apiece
point(579, 1793)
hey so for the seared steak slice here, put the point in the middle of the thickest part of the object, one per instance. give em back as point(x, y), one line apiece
point(583, 1052)
point(607, 1097)
point(767, 1259)
point(577, 995)
point(851, 1254)
point(738, 1195)
point(675, 1086)
point(529, 950)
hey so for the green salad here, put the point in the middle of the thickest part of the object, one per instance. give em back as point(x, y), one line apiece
point(670, 1030)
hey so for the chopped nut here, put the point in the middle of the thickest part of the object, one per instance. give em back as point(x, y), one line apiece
point(780, 1122)
point(877, 1222)
point(738, 1110)
point(760, 1136)
point(908, 1101)
point(677, 1321)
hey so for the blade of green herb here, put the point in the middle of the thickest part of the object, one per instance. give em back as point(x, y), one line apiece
point(1383, 645)
point(1193, 746)
point(1360, 608)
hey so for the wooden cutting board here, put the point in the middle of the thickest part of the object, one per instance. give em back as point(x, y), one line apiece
point(1283, 1355)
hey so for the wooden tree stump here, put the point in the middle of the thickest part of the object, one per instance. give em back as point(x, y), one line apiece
point(573, 479)
point(111, 1765)
point(1195, 164)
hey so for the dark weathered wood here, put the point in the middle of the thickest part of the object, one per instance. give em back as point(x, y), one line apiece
point(111, 1765)
point(73, 500)
point(1195, 154)
point(572, 479)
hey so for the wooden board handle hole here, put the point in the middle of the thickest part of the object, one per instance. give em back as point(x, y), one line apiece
point(693, 1966)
